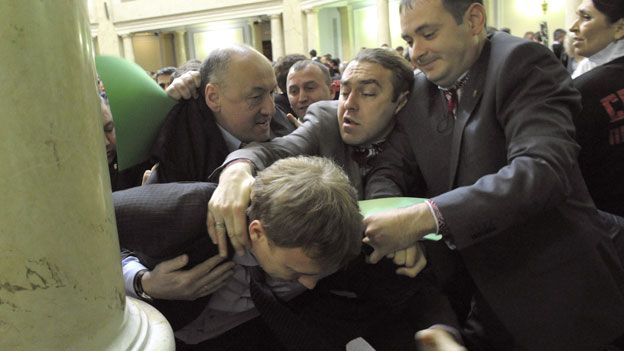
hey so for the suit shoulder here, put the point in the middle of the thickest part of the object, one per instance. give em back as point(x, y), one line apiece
point(505, 47)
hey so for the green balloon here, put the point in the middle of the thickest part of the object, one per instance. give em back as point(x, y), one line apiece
point(139, 107)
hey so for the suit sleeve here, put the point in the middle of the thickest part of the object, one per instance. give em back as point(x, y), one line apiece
point(394, 172)
point(305, 140)
point(534, 105)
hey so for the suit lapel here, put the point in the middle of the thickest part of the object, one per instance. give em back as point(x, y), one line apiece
point(470, 96)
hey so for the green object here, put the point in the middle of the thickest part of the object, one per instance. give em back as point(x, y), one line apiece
point(370, 207)
point(139, 107)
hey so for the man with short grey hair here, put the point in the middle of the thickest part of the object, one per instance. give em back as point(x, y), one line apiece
point(307, 82)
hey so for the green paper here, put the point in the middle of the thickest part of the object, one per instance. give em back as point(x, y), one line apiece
point(139, 107)
point(370, 207)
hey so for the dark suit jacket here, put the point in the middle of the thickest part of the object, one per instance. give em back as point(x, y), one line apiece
point(190, 145)
point(161, 221)
point(319, 136)
point(507, 183)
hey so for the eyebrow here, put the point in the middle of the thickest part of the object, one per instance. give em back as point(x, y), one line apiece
point(369, 81)
point(421, 28)
point(362, 82)
point(256, 90)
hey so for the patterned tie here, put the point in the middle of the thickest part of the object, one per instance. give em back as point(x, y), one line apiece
point(285, 324)
point(451, 101)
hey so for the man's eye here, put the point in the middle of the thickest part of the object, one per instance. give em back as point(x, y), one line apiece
point(429, 35)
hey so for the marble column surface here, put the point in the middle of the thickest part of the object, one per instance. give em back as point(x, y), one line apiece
point(60, 274)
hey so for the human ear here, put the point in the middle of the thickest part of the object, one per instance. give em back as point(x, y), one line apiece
point(475, 18)
point(211, 92)
point(619, 29)
point(256, 230)
point(402, 101)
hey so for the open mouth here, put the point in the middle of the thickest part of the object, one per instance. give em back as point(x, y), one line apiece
point(349, 121)
point(264, 123)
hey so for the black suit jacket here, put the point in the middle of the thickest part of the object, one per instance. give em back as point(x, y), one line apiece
point(161, 221)
point(600, 132)
point(190, 145)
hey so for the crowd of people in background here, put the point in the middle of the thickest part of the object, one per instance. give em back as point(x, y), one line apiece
point(517, 145)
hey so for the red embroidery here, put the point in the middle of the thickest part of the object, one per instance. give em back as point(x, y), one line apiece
point(608, 101)
point(616, 135)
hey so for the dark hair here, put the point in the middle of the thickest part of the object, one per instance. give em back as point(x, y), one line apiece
point(282, 66)
point(312, 53)
point(613, 9)
point(558, 33)
point(457, 8)
point(402, 73)
point(299, 65)
point(165, 70)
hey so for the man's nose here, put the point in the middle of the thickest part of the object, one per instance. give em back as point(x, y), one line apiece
point(268, 106)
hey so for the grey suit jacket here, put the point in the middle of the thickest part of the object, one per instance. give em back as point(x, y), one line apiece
point(319, 136)
point(507, 183)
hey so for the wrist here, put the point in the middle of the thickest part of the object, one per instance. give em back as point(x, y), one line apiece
point(238, 168)
point(141, 284)
point(423, 222)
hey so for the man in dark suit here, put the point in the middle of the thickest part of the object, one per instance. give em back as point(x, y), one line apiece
point(234, 106)
point(288, 243)
point(500, 169)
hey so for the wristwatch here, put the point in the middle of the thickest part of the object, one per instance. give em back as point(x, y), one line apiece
point(138, 285)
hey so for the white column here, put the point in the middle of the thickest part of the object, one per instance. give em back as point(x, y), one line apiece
point(347, 32)
point(128, 47)
point(256, 34)
point(294, 27)
point(180, 47)
point(277, 36)
point(61, 286)
point(108, 40)
point(383, 23)
point(313, 30)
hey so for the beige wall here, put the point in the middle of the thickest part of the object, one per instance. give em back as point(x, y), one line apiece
point(356, 20)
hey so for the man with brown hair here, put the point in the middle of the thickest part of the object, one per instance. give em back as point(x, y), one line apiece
point(288, 242)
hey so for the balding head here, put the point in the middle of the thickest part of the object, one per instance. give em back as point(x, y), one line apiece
point(237, 85)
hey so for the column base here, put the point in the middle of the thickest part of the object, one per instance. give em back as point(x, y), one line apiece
point(144, 329)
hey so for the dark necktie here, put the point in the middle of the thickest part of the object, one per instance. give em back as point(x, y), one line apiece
point(285, 324)
point(451, 101)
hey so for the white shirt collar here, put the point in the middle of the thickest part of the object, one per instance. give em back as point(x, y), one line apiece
point(613, 51)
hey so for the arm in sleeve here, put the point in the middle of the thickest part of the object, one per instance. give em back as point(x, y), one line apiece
point(535, 102)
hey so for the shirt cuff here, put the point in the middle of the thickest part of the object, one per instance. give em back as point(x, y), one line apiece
point(441, 226)
point(130, 266)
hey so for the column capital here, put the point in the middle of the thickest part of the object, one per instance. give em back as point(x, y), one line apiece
point(311, 11)
point(276, 16)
